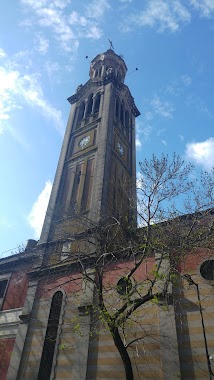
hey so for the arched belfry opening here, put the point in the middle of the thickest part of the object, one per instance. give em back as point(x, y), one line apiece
point(89, 105)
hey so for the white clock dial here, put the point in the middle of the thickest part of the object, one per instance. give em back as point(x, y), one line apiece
point(120, 149)
point(84, 141)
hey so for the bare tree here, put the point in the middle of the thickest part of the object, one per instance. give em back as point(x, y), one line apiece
point(174, 213)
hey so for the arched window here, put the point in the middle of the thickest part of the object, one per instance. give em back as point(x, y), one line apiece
point(127, 119)
point(81, 111)
point(117, 108)
point(90, 104)
point(86, 197)
point(98, 72)
point(114, 175)
point(122, 114)
point(75, 119)
point(76, 185)
point(64, 192)
point(97, 103)
point(126, 124)
point(50, 337)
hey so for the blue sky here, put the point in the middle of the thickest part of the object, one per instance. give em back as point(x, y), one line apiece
point(43, 45)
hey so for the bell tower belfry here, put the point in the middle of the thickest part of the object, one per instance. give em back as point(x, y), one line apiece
point(96, 171)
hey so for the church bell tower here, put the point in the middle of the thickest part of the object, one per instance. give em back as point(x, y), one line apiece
point(96, 171)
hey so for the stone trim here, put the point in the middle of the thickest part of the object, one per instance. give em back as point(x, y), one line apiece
point(9, 322)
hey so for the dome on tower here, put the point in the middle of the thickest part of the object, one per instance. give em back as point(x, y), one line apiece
point(108, 63)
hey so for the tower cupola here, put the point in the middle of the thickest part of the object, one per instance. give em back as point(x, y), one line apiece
point(108, 64)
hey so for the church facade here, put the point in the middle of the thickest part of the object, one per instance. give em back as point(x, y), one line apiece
point(50, 326)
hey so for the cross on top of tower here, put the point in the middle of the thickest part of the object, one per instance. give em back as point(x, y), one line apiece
point(111, 45)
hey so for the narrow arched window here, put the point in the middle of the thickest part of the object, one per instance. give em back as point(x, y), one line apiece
point(90, 104)
point(117, 108)
point(81, 111)
point(122, 114)
point(97, 103)
point(75, 119)
point(50, 337)
point(127, 119)
point(114, 171)
point(76, 185)
point(86, 197)
point(98, 72)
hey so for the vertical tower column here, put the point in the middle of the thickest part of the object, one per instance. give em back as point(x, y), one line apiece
point(102, 159)
point(52, 206)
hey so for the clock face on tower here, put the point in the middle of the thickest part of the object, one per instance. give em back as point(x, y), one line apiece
point(84, 141)
point(120, 149)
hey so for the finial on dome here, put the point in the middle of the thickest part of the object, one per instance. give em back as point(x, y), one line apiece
point(111, 45)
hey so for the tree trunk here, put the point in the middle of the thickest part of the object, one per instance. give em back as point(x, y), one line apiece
point(123, 353)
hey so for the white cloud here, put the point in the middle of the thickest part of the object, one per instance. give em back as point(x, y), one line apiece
point(160, 131)
point(161, 14)
point(33, 94)
point(166, 15)
point(97, 8)
point(164, 142)
point(199, 105)
point(54, 18)
point(202, 153)
point(42, 44)
point(142, 134)
point(171, 89)
point(162, 107)
point(176, 87)
point(181, 137)
point(148, 116)
point(94, 32)
point(17, 89)
point(138, 142)
point(8, 81)
point(146, 131)
point(34, 4)
point(37, 213)
point(65, 27)
point(186, 80)
point(19, 138)
point(84, 27)
point(75, 19)
point(205, 7)
point(60, 3)
point(138, 180)
point(20, 61)
point(2, 53)
point(137, 138)
point(52, 68)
